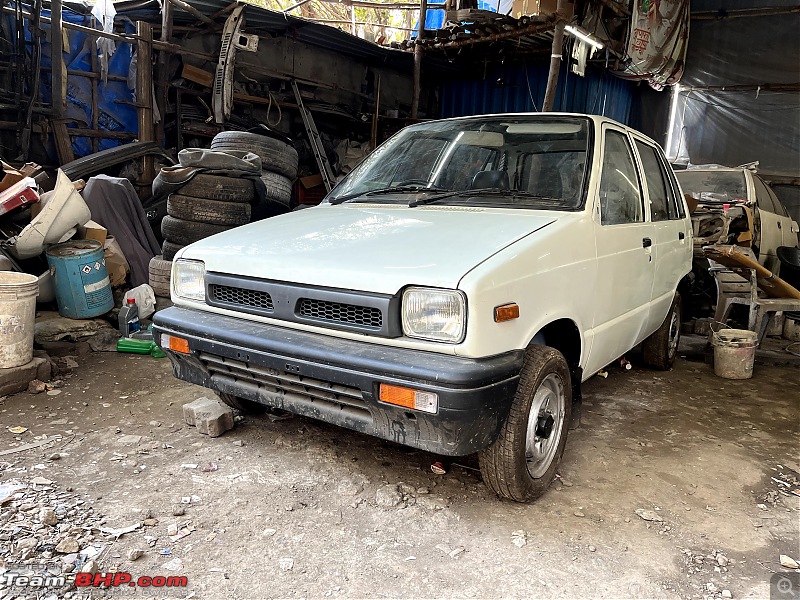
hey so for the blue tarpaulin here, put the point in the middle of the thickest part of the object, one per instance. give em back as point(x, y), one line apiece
point(115, 112)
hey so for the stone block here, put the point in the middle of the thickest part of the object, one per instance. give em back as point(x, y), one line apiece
point(210, 416)
point(16, 379)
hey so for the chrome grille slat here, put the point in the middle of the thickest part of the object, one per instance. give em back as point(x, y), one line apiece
point(338, 312)
point(241, 296)
point(278, 382)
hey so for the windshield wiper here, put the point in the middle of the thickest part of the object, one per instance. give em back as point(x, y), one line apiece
point(398, 189)
point(481, 192)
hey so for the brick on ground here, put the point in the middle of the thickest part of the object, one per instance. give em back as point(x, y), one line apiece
point(209, 415)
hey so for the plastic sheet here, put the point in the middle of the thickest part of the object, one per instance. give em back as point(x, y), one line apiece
point(756, 116)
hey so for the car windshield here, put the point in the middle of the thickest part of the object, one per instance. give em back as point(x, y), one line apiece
point(714, 186)
point(505, 161)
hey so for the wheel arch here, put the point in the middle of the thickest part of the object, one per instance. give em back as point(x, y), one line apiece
point(565, 336)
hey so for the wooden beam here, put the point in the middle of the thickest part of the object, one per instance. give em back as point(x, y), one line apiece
point(162, 73)
point(144, 95)
point(418, 51)
point(59, 82)
point(555, 57)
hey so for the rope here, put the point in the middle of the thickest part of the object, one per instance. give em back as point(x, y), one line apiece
point(269, 108)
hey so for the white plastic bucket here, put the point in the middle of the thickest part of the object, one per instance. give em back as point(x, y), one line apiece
point(734, 353)
point(18, 293)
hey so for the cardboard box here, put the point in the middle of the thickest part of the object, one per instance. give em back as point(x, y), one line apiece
point(311, 181)
point(93, 231)
point(539, 8)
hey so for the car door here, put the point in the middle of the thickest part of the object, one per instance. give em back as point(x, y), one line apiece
point(624, 242)
point(671, 240)
point(788, 226)
point(770, 226)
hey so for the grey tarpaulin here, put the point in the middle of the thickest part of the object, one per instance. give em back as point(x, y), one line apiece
point(757, 114)
point(115, 205)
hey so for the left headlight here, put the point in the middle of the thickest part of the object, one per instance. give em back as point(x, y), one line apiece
point(189, 279)
point(433, 314)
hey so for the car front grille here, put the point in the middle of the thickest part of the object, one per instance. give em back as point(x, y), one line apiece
point(337, 312)
point(241, 297)
point(287, 389)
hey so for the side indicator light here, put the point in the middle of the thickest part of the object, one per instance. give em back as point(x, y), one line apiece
point(176, 344)
point(506, 312)
point(409, 398)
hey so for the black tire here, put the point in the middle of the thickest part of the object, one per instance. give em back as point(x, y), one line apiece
point(180, 231)
point(504, 464)
point(247, 407)
point(160, 275)
point(201, 210)
point(276, 156)
point(279, 188)
point(169, 250)
point(217, 187)
point(661, 348)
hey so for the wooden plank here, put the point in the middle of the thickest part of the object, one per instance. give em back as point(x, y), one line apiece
point(58, 83)
point(95, 97)
point(62, 141)
point(144, 95)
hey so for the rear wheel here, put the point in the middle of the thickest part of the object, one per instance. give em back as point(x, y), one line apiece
point(661, 348)
point(522, 462)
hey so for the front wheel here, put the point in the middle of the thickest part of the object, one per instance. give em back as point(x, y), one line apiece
point(661, 348)
point(522, 462)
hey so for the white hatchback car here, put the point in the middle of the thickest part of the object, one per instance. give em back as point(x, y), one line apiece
point(451, 294)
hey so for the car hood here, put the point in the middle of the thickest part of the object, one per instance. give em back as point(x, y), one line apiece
point(376, 248)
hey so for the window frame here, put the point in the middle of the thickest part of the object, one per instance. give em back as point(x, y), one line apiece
point(629, 139)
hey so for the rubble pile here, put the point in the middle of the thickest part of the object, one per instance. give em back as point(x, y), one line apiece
point(47, 532)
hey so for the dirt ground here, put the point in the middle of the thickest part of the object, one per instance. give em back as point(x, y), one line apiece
point(300, 509)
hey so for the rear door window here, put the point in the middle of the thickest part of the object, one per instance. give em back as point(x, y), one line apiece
point(662, 201)
point(763, 197)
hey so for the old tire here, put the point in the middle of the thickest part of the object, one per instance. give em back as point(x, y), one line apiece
point(210, 187)
point(183, 232)
point(521, 463)
point(661, 348)
point(279, 188)
point(276, 156)
point(169, 250)
point(218, 187)
point(160, 272)
point(247, 407)
point(215, 212)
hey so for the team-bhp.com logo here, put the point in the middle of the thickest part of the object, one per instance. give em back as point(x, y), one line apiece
point(94, 580)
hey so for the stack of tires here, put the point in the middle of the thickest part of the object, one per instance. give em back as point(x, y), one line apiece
point(278, 161)
point(209, 204)
point(206, 205)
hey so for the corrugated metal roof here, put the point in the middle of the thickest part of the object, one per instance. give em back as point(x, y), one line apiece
point(262, 21)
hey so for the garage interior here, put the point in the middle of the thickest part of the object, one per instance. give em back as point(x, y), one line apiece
point(682, 483)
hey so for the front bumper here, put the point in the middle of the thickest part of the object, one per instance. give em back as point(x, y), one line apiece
point(336, 380)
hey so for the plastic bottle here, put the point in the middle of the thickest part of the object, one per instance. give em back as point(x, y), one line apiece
point(129, 318)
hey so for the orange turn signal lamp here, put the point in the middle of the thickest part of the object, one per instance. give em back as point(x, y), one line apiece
point(409, 398)
point(174, 343)
point(506, 312)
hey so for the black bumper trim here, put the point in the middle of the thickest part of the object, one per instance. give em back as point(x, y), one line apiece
point(474, 394)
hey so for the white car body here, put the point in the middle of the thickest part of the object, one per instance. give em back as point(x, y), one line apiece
point(432, 302)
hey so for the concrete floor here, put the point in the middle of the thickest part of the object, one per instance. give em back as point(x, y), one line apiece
point(292, 509)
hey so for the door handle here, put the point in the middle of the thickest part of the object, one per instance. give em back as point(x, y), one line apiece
point(779, 224)
point(681, 235)
point(646, 242)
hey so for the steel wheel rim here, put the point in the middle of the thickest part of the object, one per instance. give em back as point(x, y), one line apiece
point(674, 332)
point(548, 403)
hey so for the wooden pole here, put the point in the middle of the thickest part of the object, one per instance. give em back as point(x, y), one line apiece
point(423, 11)
point(56, 56)
point(144, 94)
point(555, 57)
point(163, 68)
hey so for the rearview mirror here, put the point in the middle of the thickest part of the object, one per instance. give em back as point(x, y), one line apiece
point(487, 139)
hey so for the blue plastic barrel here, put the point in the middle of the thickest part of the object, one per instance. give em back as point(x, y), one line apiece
point(79, 273)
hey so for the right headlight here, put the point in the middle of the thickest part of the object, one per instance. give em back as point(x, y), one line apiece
point(189, 279)
point(434, 314)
